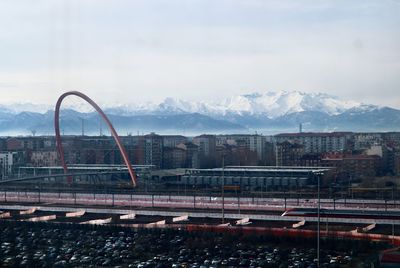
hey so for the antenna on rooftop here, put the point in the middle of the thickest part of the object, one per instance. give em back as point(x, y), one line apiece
point(83, 126)
point(100, 127)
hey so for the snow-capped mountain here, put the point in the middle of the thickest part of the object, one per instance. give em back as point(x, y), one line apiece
point(267, 112)
point(271, 104)
point(16, 108)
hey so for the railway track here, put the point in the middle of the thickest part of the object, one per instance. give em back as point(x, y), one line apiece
point(239, 204)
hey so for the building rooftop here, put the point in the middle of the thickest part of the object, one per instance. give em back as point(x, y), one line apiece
point(267, 169)
point(313, 134)
point(92, 167)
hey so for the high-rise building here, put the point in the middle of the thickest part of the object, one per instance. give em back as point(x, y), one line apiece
point(173, 140)
point(206, 143)
point(364, 141)
point(319, 142)
point(251, 142)
point(288, 154)
point(153, 150)
point(192, 154)
point(174, 157)
point(207, 150)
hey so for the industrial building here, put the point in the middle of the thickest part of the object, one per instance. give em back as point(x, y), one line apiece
point(100, 172)
point(253, 178)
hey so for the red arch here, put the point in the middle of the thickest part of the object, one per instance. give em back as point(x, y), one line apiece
point(106, 120)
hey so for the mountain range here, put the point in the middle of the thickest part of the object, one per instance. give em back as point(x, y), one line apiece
point(267, 113)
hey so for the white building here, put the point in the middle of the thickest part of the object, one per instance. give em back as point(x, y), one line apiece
point(7, 162)
point(364, 141)
point(318, 142)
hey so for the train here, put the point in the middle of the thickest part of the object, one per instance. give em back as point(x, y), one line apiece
point(343, 213)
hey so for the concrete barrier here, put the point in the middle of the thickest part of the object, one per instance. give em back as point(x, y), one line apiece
point(156, 223)
point(209, 215)
point(5, 215)
point(128, 216)
point(43, 218)
point(98, 221)
point(244, 221)
point(28, 211)
point(369, 227)
point(364, 229)
point(181, 218)
point(299, 224)
point(75, 214)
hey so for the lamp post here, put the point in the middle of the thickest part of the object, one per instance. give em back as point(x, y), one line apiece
point(223, 188)
point(319, 218)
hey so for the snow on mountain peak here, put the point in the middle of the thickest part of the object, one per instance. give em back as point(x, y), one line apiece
point(275, 104)
point(270, 103)
point(16, 108)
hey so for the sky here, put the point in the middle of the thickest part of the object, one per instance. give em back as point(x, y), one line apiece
point(126, 51)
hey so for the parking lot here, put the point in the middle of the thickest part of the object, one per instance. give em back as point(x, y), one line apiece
point(69, 245)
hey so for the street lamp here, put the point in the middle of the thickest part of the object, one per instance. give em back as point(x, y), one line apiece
point(223, 188)
point(319, 218)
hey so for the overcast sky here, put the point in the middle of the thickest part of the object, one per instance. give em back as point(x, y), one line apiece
point(132, 51)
